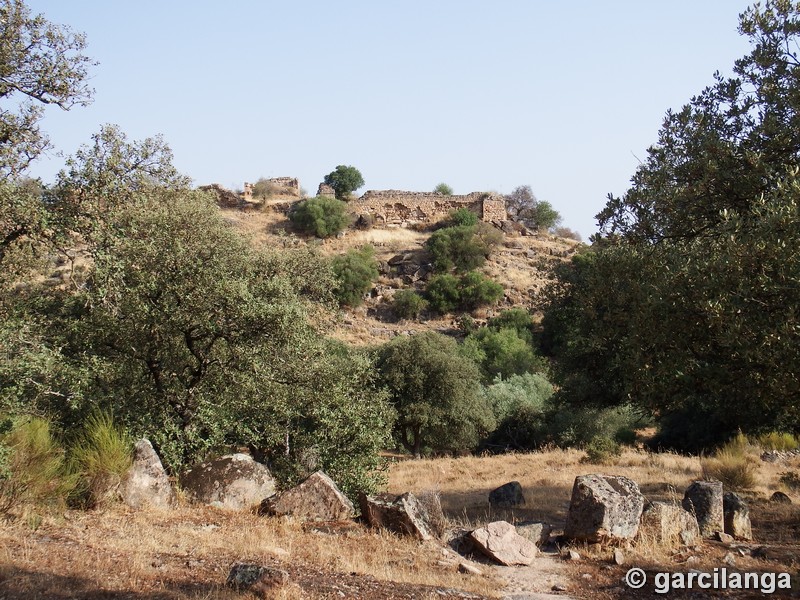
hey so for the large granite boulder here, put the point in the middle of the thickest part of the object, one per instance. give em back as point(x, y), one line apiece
point(603, 508)
point(501, 542)
point(704, 500)
point(507, 496)
point(145, 484)
point(403, 514)
point(316, 499)
point(669, 525)
point(233, 482)
point(737, 517)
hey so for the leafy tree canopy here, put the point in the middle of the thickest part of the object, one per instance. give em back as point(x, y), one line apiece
point(40, 64)
point(435, 392)
point(344, 180)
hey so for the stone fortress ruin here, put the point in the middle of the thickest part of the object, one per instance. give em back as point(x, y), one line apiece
point(390, 208)
point(396, 207)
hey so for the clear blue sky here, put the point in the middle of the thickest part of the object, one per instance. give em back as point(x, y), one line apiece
point(561, 96)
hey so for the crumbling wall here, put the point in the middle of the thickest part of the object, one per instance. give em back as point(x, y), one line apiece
point(225, 197)
point(325, 190)
point(289, 186)
point(398, 207)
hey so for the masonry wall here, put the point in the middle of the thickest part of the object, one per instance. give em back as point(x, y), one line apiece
point(397, 207)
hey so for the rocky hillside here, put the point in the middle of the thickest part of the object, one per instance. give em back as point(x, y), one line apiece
point(522, 264)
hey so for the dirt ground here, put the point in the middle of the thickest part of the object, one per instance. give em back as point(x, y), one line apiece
point(187, 553)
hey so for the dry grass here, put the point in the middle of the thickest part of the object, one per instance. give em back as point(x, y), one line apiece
point(187, 553)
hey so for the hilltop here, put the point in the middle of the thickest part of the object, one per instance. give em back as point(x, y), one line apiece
point(522, 263)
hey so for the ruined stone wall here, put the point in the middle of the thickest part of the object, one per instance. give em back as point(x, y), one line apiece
point(325, 190)
point(290, 184)
point(398, 207)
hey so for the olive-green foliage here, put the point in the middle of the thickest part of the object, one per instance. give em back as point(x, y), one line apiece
point(100, 456)
point(462, 247)
point(463, 217)
point(520, 405)
point(36, 467)
point(475, 289)
point(570, 426)
point(408, 304)
point(436, 393)
point(602, 450)
point(443, 189)
point(523, 206)
point(447, 293)
point(775, 440)
point(355, 271)
point(502, 352)
point(689, 305)
point(344, 180)
point(320, 216)
point(517, 319)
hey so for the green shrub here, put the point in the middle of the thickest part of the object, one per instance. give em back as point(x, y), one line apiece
point(519, 404)
point(447, 293)
point(571, 425)
point(463, 217)
point(355, 272)
point(466, 324)
point(478, 290)
point(518, 319)
point(778, 441)
point(320, 216)
point(408, 304)
point(443, 293)
point(463, 248)
point(263, 189)
point(443, 189)
point(601, 450)
point(502, 353)
point(100, 457)
point(36, 469)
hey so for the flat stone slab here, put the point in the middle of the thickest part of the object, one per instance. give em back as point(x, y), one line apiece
point(501, 542)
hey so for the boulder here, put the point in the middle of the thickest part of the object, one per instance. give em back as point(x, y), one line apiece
point(402, 514)
point(704, 500)
point(146, 483)
point(780, 498)
point(316, 499)
point(669, 525)
point(538, 533)
point(737, 517)
point(603, 508)
point(501, 542)
point(507, 496)
point(259, 580)
point(232, 482)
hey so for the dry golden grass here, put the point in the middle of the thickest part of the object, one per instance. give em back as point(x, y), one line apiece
point(187, 553)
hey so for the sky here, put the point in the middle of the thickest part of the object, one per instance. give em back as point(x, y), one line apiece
point(564, 97)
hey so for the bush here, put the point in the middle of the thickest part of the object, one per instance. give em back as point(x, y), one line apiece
point(478, 290)
point(443, 293)
point(463, 248)
point(355, 272)
point(443, 189)
point(566, 232)
point(463, 217)
point(100, 457)
point(407, 304)
point(602, 450)
point(502, 353)
point(571, 425)
point(263, 189)
point(519, 404)
point(778, 441)
point(447, 293)
point(731, 465)
point(518, 319)
point(36, 469)
point(436, 393)
point(320, 216)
